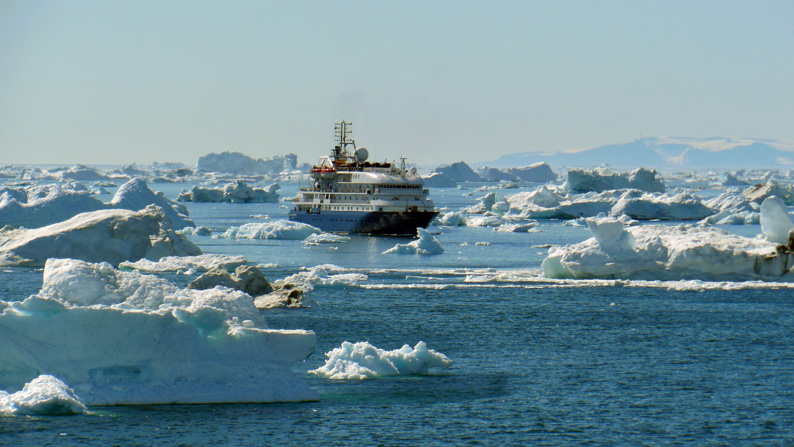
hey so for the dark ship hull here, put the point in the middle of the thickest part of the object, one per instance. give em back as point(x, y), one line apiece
point(380, 222)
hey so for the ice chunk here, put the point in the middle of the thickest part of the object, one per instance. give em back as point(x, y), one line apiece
point(776, 223)
point(200, 263)
point(427, 244)
point(135, 195)
point(611, 235)
point(277, 229)
point(326, 275)
point(668, 253)
point(451, 219)
point(325, 238)
point(99, 236)
point(127, 338)
point(363, 361)
point(44, 396)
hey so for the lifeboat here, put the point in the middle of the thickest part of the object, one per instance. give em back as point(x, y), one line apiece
point(327, 172)
point(315, 172)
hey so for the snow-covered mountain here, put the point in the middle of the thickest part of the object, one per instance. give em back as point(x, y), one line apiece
point(667, 153)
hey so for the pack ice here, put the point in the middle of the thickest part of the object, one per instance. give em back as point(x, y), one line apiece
point(123, 337)
point(678, 252)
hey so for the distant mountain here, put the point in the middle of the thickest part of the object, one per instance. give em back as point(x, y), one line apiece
point(667, 153)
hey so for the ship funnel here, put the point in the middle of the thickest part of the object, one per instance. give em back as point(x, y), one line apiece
point(361, 155)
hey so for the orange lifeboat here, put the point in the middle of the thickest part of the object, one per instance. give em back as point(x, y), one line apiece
point(327, 172)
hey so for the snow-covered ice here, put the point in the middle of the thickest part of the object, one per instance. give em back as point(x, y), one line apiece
point(363, 361)
point(113, 235)
point(277, 229)
point(426, 244)
point(119, 337)
point(43, 396)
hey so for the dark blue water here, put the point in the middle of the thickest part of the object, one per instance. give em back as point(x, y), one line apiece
point(534, 363)
point(581, 366)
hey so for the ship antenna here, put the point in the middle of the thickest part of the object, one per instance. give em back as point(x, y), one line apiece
point(341, 131)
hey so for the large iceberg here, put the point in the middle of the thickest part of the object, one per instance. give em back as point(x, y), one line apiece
point(237, 163)
point(363, 361)
point(238, 192)
point(122, 338)
point(583, 180)
point(38, 206)
point(659, 252)
point(112, 236)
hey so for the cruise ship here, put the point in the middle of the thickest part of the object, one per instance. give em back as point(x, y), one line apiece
point(348, 194)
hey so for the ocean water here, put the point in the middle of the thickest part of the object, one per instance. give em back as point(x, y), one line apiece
point(536, 362)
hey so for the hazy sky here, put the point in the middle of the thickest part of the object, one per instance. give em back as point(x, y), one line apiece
point(101, 82)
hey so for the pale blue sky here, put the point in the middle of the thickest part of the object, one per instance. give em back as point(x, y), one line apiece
point(106, 82)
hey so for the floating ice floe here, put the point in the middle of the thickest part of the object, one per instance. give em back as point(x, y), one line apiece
point(200, 263)
point(121, 338)
point(195, 231)
point(326, 275)
point(658, 252)
point(363, 361)
point(38, 206)
point(450, 219)
point(277, 229)
point(325, 238)
point(427, 244)
point(238, 192)
point(113, 236)
point(43, 396)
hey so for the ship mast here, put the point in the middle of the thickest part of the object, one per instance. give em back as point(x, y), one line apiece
point(341, 131)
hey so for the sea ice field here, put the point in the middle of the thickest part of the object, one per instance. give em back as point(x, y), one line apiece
point(529, 314)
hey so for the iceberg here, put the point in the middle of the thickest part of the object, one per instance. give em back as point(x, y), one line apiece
point(363, 361)
point(43, 396)
point(126, 338)
point(583, 180)
point(238, 192)
point(113, 236)
point(278, 229)
point(659, 252)
point(544, 203)
point(776, 223)
point(238, 163)
point(427, 244)
point(39, 206)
